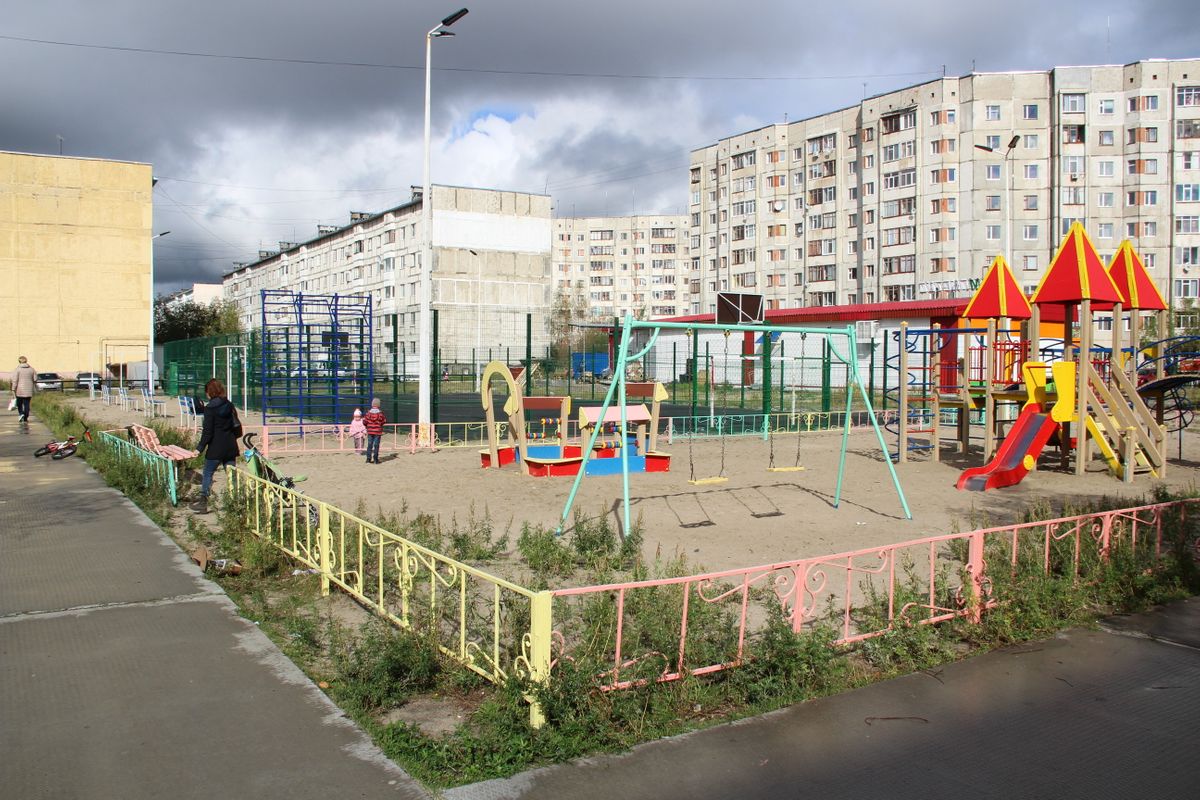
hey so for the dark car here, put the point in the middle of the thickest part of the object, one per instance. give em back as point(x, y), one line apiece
point(48, 381)
point(87, 380)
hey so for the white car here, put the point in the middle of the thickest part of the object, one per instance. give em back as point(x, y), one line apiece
point(48, 381)
point(87, 380)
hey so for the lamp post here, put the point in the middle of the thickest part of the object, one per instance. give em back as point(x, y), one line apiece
point(425, 331)
point(1006, 179)
point(150, 352)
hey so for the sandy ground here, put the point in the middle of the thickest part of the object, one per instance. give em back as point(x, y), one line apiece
point(755, 517)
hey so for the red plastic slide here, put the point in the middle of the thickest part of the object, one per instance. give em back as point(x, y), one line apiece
point(1017, 453)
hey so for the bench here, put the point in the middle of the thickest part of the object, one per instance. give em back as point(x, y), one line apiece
point(105, 395)
point(188, 418)
point(147, 439)
point(123, 398)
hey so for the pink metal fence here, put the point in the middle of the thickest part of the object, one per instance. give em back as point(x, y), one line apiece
point(864, 593)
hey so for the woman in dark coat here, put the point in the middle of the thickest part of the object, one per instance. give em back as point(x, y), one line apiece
point(218, 438)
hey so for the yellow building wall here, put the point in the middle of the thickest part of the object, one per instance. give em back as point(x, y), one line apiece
point(75, 261)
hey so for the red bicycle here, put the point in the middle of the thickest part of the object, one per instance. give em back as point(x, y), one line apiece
point(65, 448)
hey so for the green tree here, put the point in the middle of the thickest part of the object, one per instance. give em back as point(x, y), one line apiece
point(191, 320)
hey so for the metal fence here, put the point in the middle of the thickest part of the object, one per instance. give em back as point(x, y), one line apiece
point(160, 472)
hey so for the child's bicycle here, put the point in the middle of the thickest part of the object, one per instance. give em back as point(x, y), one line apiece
point(63, 449)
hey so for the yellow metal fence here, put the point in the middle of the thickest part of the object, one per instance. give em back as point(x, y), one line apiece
point(489, 625)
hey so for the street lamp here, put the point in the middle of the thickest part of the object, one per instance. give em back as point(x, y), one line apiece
point(1006, 179)
point(425, 332)
point(150, 355)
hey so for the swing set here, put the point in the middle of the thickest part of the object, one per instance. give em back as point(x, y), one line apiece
point(616, 396)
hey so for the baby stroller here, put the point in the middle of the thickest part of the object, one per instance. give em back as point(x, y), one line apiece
point(260, 467)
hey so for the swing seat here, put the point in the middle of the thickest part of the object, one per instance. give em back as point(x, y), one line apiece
point(785, 469)
point(708, 481)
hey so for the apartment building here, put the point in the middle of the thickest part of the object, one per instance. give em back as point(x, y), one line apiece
point(618, 265)
point(909, 195)
point(204, 294)
point(76, 268)
point(491, 268)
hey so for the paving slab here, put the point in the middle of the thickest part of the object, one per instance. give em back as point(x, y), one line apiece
point(125, 673)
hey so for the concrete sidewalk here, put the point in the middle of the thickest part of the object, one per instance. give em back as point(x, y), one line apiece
point(125, 673)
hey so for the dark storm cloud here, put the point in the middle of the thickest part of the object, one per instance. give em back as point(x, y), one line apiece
point(214, 120)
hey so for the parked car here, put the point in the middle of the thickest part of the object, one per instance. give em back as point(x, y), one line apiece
point(87, 380)
point(48, 381)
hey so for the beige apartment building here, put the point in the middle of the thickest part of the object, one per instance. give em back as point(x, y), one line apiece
point(617, 265)
point(909, 195)
point(491, 268)
point(75, 262)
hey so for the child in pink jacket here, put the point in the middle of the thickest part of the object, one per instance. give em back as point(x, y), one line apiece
point(358, 432)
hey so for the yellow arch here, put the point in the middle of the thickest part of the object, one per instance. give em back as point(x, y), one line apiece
point(514, 409)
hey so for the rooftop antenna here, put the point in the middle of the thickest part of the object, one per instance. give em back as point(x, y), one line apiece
point(1108, 38)
point(60, 141)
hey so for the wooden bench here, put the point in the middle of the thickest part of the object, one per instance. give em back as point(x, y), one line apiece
point(147, 439)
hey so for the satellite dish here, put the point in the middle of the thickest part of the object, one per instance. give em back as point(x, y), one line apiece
point(779, 205)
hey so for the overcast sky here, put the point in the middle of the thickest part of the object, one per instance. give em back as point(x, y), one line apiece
point(597, 104)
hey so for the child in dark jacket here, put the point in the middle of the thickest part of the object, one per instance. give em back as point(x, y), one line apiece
point(374, 421)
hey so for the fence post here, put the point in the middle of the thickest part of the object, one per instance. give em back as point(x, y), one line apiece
point(541, 623)
point(324, 543)
point(975, 573)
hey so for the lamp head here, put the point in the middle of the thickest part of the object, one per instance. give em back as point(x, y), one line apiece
point(455, 17)
point(1013, 141)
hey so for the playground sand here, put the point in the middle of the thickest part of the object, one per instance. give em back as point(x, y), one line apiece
point(754, 517)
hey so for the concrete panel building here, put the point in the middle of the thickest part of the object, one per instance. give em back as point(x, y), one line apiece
point(204, 294)
point(909, 195)
point(75, 261)
point(491, 268)
point(617, 265)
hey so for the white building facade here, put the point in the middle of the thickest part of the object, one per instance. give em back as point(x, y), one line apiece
point(909, 195)
point(491, 273)
point(618, 265)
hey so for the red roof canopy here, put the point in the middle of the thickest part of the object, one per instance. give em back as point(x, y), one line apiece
point(1076, 273)
point(998, 295)
point(1135, 284)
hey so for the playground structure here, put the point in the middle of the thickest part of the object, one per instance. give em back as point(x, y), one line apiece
point(936, 387)
point(618, 392)
point(315, 355)
point(565, 457)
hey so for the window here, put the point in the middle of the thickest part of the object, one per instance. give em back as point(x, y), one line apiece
point(896, 208)
point(1073, 165)
point(992, 233)
point(869, 161)
point(1136, 229)
point(1138, 135)
point(1187, 192)
point(1144, 102)
point(1030, 233)
point(894, 236)
point(1105, 169)
point(1029, 111)
point(902, 121)
point(991, 202)
point(1105, 199)
point(1187, 224)
point(992, 142)
point(1187, 129)
point(1104, 230)
point(939, 146)
point(943, 264)
point(1142, 198)
point(992, 112)
point(1187, 96)
point(1031, 171)
point(1107, 106)
point(1142, 166)
point(774, 156)
point(1031, 141)
point(1073, 134)
point(943, 175)
point(896, 265)
point(939, 205)
point(895, 180)
point(1029, 263)
point(1189, 256)
point(992, 172)
point(1189, 159)
point(1073, 103)
point(1067, 222)
point(1031, 202)
point(743, 159)
point(896, 294)
point(894, 152)
point(1106, 138)
point(1187, 287)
